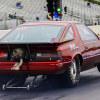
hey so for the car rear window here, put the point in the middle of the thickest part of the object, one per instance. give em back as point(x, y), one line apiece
point(38, 33)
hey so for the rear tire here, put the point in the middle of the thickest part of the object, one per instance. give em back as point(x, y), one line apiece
point(72, 74)
point(70, 78)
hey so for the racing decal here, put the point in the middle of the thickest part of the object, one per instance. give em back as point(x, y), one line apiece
point(77, 47)
point(73, 47)
point(21, 28)
point(64, 39)
point(53, 40)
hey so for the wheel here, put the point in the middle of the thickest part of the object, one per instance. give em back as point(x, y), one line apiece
point(28, 87)
point(72, 74)
point(4, 87)
point(70, 78)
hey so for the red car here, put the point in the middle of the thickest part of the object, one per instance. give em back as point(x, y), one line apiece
point(58, 49)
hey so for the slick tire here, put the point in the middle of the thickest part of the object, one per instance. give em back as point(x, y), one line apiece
point(72, 75)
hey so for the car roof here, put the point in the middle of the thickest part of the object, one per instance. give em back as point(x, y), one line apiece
point(50, 23)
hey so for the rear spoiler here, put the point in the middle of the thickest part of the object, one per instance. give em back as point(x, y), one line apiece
point(34, 43)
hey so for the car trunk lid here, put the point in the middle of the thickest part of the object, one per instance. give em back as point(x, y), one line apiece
point(40, 51)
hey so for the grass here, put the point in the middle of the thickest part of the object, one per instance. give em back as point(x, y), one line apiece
point(94, 1)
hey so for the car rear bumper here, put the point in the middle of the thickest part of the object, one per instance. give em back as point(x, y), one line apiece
point(33, 68)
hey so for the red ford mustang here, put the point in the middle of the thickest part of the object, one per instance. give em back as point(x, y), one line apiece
point(59, 50)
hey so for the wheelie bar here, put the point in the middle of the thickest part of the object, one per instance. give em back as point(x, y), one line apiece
point(28, 87)
point(4, 87)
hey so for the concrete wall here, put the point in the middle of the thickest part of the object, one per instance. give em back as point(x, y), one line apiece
point(95, 29)
point(3, 32)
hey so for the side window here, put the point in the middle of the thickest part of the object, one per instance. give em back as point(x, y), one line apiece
point(69, 34)
point(85, 33)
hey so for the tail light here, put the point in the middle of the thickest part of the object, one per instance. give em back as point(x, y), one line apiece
point(49, 55)
point(3, 55)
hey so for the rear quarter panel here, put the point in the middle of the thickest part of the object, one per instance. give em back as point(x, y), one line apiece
point(69, 53)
